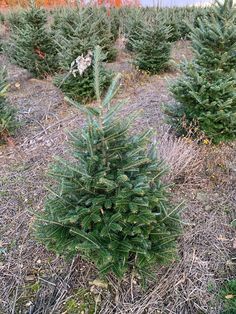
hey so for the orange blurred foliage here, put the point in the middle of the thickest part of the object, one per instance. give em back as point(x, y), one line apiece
point(52, 3)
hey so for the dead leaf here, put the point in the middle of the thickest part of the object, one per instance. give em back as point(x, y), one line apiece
point(11, 142)
point(99, 283)
point(222, 238)
point(229, 296)
point(17, 85)
point(30, 278)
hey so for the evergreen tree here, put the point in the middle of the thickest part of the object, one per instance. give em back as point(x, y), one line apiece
point(2, 18)
point(206, 92)
point(80, 87)
point(8, 123)
point(14, 19)
point(106, 33)
point(152, 48)
point(109, 204)
point(115, 22)
point(76, 37)
point(135, 22)
point(31, 45)
point(81, 30)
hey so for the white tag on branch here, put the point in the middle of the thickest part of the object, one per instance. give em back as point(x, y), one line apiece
point(81, 63)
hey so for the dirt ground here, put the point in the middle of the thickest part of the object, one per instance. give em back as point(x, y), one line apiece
point(34, 280)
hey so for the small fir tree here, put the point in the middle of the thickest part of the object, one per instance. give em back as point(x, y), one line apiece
point(77, 33)
point(206, 92)
point(2, 18)
point(78, 83)
point(152, 47)
point(135, 22)
point(31, 45)
point(14, 19)
point(115, 22)
point(110, 205)
point(8, 122)
point(81, 30)
point(107, 35)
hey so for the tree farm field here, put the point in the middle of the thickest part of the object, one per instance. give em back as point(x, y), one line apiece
point(200, 176)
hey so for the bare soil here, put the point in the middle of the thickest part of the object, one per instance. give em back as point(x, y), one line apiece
point(34, 280)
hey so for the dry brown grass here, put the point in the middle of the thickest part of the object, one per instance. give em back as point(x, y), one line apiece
point(183, 158)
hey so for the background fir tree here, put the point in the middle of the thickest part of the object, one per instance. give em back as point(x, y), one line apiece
point(8, 122)
point(115, 22)
point(81, 87)
point(1, 35)
point(109, 204)
point(107, 33)
point(135, 22)
point(14, 19)
point(81, 30)
point(152, 47)
point(206, 92)
point(2, 18)
point(31, 45)
point(74, 39)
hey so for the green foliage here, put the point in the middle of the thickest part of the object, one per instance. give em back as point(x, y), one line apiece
point(31, 45)
point(107, 31)
point(77, 31)
point(134, 24)
point(206, 91)
point(8, 123)
point(82, 302)
point(15, 19)
point(2, 18)
point(228, 295)
point(109, 204)
point(178, 18)
point(115, 22)
point(81, 87)
point(152, 47)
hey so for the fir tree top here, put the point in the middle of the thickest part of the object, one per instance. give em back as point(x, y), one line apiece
point(34, 16)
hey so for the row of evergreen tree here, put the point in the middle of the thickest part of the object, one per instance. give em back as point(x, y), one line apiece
point(46, 49)
point(200, 93)
point(110, 204)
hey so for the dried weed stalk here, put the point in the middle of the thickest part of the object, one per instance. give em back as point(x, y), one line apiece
point(182, 157)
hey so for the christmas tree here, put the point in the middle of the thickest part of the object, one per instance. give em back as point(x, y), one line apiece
point(206, 92)
point(76, 39)
point(31, 45)
point(109, 204)
point(81, 30)
point(78, 82)
point(152, 47)
point(135, 21)
point(14, 19)
point(107, 35)
point(8, 123)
